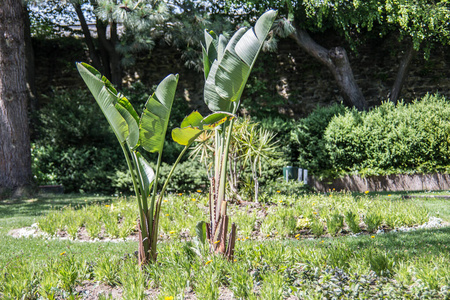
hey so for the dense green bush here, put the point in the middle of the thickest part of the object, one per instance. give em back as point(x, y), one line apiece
point(308, 137)
point(74, 146)
point(189, 176)
point(389, 139)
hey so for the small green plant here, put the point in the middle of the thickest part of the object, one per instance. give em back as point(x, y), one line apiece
point(107, 269)
point(20, 282)
point(73, 221)
point(93, 226)
point(132, 279)
point(381, 263)
point(373, 221)
point(241, 282)
point(287, 222)
point(352, 221)
point(208, 286)
point(50, 223)
point(67, 273)
point(335, 223)
point(128, 223)
point(111, 224)
point(272, 287)
point(317, 227)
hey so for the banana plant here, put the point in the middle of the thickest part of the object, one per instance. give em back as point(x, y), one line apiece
point(147, 132)
point(227, 66)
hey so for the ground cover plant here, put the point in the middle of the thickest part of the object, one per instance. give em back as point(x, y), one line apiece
point(392, 265)
point(286, 217)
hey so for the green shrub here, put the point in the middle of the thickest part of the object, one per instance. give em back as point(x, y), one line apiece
point(189, 176)
point(389, 139)
point(308, 136)
point(71, 147)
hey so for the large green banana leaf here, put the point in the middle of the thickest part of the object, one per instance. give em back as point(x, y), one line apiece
point(227, 68)
point(194, 124)
point(146, 173)
point(117, 110)
point(155, 118)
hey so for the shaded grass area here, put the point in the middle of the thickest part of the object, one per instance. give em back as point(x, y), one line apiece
point(42, 204)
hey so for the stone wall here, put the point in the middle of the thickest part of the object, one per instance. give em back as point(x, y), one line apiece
point(293, 82)
point(353, 183)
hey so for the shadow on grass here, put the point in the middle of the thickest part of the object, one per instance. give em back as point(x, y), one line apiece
point(41, 205)
point(418, 242)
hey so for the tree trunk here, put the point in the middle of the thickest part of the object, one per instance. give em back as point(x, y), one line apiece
point(115, 57)
point(29, 52)
point(402, 73)
point(102, 41)
point(336, 60)
point(15, 156)
point(110, 57)
point(87, 37)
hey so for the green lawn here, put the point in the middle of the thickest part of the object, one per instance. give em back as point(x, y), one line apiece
point(393, 265)
point(438, 207)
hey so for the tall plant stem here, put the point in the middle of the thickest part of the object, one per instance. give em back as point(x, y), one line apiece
point(133, 178)
point(224, 161)
point(158, 203)
point(143, 201)
point(155, 189)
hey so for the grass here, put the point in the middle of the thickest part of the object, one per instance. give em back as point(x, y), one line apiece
point(437, 207)
point(393, 265)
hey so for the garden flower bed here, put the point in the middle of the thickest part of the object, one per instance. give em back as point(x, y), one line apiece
point(279, 252)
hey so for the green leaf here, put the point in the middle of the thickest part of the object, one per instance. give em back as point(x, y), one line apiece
point(133, 128)
point(206, 62)
point(213, 120)
point(231, 77)
point(200, 230)
point(103, 93)
point(146, 173)
point(227, 76)
point(221, 45)
point(185, 136)
point(194, 119)
point(155, 118)
point(194, 124)
point(212, 98)
point(127, 105)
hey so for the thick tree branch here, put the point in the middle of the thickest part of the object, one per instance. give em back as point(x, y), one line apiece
point(402, 73)
point(336, 60)
point(87, 36)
